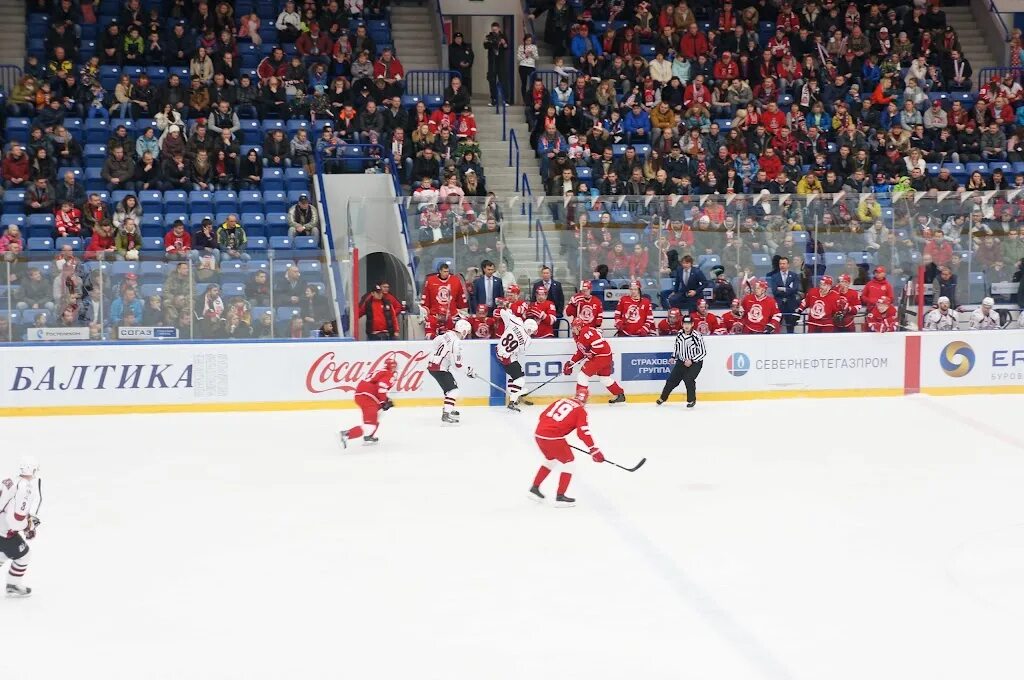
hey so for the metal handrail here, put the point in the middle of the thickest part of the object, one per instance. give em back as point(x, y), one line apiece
point(550, 79)
point(543, 252)
point(500, 106)
point(985, 74)
point(425, 82)
point(526, 196)
point(440, 30)
point(513, 141)
point(10, 74)
point(995, 10)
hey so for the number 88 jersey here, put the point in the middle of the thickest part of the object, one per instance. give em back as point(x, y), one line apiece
point(513, 341)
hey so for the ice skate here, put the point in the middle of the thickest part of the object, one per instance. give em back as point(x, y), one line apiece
point(563, 501)
point(343, 438)
point(370, 440)
point(619, 398)
point(691, 404)
point(659, 401)
point(514, 406)
point(456, 414)
point(451, 418)
point(18, 591)
point(536, 495)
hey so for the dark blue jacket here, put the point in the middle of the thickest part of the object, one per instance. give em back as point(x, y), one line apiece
point(478, 295)
point(786, 290)
point(555, 294)
point(696, 282)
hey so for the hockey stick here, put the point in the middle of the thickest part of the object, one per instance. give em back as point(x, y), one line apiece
point(480, 377)
point(623, 467)
point(543, 384)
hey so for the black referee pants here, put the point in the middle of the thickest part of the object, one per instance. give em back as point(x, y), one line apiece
point(681, 373)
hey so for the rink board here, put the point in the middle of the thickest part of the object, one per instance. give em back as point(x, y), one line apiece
point(154, 377)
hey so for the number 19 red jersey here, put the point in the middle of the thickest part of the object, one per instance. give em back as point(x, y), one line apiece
point(561, 419)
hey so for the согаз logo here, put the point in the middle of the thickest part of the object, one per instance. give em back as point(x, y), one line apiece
point(956, 359)
point(737, 364)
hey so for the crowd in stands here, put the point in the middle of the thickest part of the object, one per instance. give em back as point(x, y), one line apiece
point(144, 134)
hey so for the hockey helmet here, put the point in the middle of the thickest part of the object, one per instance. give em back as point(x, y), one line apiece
point(759, 286)
point(581, 395)
point(635, 283)
point(513, 290)
point(530, 326)
point(585, 286)
point(674, 313)
point(987, 302)
point(845, 278)
point(880, 270)
point(735, 304)
point(463, 328)
point(826, 280)
point(702, 305)
point(28, 467)
point(578, 325)
point(390, 364)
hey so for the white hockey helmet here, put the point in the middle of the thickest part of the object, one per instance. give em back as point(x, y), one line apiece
point(987, 302)
point(463, 328)
point(28, 467)
point(530, 326)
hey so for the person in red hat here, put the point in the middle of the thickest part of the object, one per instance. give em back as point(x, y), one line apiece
point(876, 288)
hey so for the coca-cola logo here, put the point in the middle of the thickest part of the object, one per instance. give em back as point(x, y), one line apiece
point(329, 372)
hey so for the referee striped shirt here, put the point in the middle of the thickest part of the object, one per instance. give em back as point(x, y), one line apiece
point(689, 346)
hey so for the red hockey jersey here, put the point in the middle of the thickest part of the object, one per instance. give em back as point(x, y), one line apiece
point(443, 297)
point(666, 328)
point(882, 322)
point(759, 313)
point(482, 328)
point(590, 344)
point(729, 324)
point(376, 386)
point(588, 309)
point(820, 308)
point(634, 317)
point(850, 303)
point(562, 418)
point(519, 308)
point(706, 324)
point(544, 313)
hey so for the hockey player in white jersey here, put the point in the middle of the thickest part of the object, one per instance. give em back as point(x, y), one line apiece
point(511, 346)
point(985, 318)
point(445, 354)
point(20, 498)
point(943, 318)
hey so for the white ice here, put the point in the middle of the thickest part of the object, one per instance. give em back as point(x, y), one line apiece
point(804, 540)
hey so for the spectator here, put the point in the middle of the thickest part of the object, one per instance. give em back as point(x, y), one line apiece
point(303, 219)
point(209, 308)
point(289, 291)
point(231, 240)
point(118, 171)
point(177, 284)
point(314, 307)
point(205, 242)
point(381, 315)
point(314, 45)
point(67, 221)
point(496, 44)
point(16, 168)
point(257, 289)
point(288, 24)
point(200, 171)
point(178, 242)
point(553, 288)
point(39, 197)
point(125, 305)
point(302, 151)
point(250, 170)
point(128, 242)
point(128, 208)
point(35, 292)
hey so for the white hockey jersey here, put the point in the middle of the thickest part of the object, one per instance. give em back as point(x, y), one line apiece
point(446, 352)
point(936, 320)
point(19, 498)
point(980, 321)
point(514, 340)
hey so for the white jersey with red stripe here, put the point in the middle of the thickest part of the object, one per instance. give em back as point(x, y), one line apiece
point(446, 352)
point(19, 498)
point(513, 341)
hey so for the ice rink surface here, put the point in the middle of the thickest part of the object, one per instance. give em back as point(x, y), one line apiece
point(810, 540)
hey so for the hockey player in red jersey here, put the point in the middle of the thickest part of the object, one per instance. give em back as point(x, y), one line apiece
point(371, 398)
point(882, 317)
point(559, 420)
point(483, 326)
point(761, 313)
point(671, 324)
point(634, 317)
point(847, 305)
point(585, 306)
point(513, 303)
point(731, 322)
point(596, 356)
point(544, 312)
point(821, 304)
point(704, 322)
point(443, 296)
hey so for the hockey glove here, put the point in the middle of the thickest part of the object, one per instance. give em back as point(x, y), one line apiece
point(769, 329)
point(596, 454)
point(567, 369)
point(470, 372)
point(387, 405)
point(839, 317)
point(30, 530)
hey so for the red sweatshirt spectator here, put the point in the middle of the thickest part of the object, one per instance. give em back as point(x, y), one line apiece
point(693, 43)
point(102, 241)
point(773, 119)
point(726, 68)
point(273, 65)
point(770, 163)
point(15, 168)
point(876, 288)
point(177, 242)
point(939, 248)
point(381, 315)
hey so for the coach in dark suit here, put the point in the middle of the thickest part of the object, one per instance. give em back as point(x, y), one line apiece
point(785, 288)
point(486, 288)
point(688, 286)
point(554, 289)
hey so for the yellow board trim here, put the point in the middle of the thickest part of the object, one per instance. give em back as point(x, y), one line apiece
point(596, 397)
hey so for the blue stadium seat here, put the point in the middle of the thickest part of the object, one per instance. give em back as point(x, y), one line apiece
point(977, 167)
point(120, 268)
point(40, 244)
point(310, 267)
point(256, 242)
point(175, 202)
point(629, 237)
point(834, 259)
point(97, 131)
point(37, 231)
point(250, 201)
point(305, 243)
point(41, 221)
point(861, 258)
point(273, 124)
point(1000, 165)
point(275, 201)
point(280, 243)
point(75, 242)
point(8, 219)
point(76, 127)
point(157, 74)
point(583, 172)
point(151, 200)
point(273, 180)
point(94, 180)
point(799, 237)
point(14, 200)
point(151, 243)
point(155, 270)
point(296, 179)
point(195, 220)
point(761, 260)
point(171, 217)
point(232, 289)
point(151, 289)
point(286, 313)
point(95, 151)
point(200, 201)
point(225, 201)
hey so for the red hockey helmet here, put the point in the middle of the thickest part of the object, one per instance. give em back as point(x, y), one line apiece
point(578, 325)
point(514, 289)
point(585, 286)
point(879, 270)
point(826, 280)
point(635, 283)
point(481, 309)
point(759, 285)
point(674, 313)
point(702, 305)
point(390, 364)
point(581, 396)
point(845, 278)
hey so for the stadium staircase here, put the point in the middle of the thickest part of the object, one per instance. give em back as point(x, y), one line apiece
point(413, 34)
point(12, 33)
point(975, 46)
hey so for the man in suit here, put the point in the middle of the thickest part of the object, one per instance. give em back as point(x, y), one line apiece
point(554, 289)
point(688, 286)
point(486, 288)
point(785, 287)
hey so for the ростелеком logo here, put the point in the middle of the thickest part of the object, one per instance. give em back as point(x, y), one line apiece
point(956, 359)
point(737, 364)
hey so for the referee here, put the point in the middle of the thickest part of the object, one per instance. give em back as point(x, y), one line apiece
point(686, 361)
